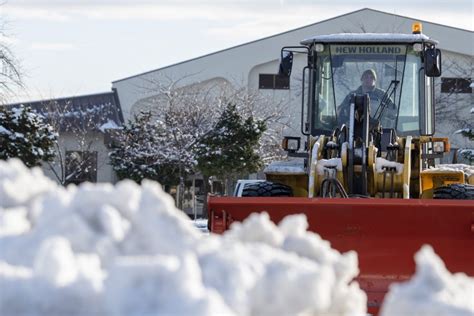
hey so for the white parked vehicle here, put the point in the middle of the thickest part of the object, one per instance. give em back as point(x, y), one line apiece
point(239, 187)
point(255, 188)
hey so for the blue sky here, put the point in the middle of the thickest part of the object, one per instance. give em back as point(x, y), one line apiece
point(71, 47)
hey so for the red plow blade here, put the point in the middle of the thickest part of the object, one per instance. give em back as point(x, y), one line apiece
point(386, 233)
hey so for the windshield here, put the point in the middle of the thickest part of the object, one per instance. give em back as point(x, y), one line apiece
point(389, 74)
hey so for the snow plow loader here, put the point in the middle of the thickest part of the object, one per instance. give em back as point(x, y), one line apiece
point(366, 177)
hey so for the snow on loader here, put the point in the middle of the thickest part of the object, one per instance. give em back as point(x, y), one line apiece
point(366, 179)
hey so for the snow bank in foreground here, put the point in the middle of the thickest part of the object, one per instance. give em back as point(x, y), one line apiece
point(431, 291)
point(126, 250)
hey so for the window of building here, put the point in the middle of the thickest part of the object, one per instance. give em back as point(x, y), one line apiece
point(81, 166)
point(456, 85)
point(273, 81)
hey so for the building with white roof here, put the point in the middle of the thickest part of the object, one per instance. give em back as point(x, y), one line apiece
point(255, 65)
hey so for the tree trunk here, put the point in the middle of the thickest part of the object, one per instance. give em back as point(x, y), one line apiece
point(229, 185)
point(180, 193)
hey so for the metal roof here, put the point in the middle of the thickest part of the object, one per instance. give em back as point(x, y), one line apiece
point(382, 38)
point(89, 112)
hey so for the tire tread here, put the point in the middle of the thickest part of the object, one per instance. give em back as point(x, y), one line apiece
point(455, 192)
point(266, 188)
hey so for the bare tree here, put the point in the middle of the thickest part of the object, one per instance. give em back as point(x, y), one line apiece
point(459, 68)
point(452, 105)
point(185, 114)
point(83, 127)
point(10, 71)
point(190, 112)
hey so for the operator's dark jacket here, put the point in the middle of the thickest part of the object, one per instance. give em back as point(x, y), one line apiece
point(375, 96)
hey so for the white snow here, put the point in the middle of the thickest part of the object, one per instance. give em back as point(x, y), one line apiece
point(324, 164)
point(467, 169)
point(464, 130)
point(433, 290)
point(368, 38)
point(99, 249)
point(110, 124)
point(5, 131)
point(381, 164)
point(16, 185)
point(294, 166)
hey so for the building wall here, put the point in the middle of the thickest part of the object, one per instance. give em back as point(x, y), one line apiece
point(453, 109)
point(242, 65)
point(93, 141)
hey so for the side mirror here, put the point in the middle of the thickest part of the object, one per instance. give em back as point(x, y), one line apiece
point(291, 144)
point(286, 63)
point(432, 62)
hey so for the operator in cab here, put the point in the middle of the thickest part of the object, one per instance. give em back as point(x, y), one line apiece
point(368, 86)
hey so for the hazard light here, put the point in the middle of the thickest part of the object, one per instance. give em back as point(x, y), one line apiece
point(416, 28)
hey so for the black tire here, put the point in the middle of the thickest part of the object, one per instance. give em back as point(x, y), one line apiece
point(455, 192)
point(266, 189)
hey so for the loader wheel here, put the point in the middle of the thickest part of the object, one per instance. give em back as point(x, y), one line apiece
point(266, 188)
point(455, 192)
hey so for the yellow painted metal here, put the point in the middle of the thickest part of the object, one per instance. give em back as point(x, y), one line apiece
point(411, 182)
point(431, 139)
point(432, 179)
point(401, 182)
point(397, 184)
point(298, 182)
point(371, 183)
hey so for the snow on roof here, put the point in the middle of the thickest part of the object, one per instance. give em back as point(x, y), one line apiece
point(110, 124)
point(100, 249)
point(369, 38)
point(87, 111)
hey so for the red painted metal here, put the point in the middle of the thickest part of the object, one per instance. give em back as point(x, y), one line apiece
point(386, 233)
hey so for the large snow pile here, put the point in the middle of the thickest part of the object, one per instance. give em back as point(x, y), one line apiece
point(433, 290)
point(126, 250)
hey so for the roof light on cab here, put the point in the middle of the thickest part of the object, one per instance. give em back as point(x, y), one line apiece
point(416, 28)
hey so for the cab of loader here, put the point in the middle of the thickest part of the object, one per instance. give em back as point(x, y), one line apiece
point(364, 155)
point(366, 143)
point(404, 64)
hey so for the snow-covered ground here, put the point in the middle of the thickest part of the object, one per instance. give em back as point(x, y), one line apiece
point(126, 250)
